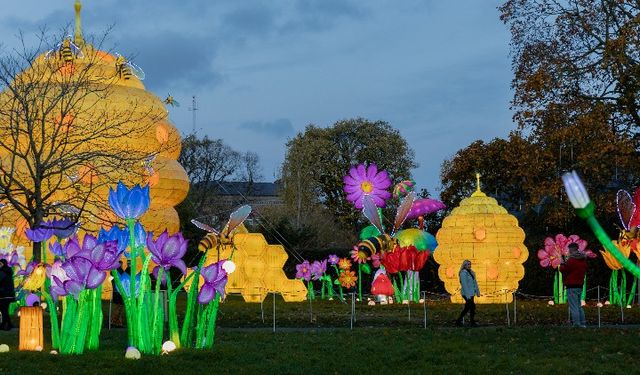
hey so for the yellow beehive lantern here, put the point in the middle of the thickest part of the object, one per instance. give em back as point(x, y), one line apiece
point(483, 232)
point(258, 268)
point(31, 336)
point(116, 93)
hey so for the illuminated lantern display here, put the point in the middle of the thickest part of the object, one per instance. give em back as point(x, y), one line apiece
point(259, 269)
point(483, 232)
point(31, 336)
point(137, 113)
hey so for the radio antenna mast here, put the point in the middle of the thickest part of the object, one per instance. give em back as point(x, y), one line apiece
point(194, 108)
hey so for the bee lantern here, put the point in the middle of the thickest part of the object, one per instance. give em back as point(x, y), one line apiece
point(31, 336)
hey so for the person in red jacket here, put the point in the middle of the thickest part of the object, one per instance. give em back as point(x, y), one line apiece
point(573, 269)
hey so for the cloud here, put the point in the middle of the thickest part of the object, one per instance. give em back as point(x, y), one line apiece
point(278, 128)
point(322, 15)
point(175, 61)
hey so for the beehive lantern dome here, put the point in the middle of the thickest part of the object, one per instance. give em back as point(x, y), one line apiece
point(116, 88)
point(482, 231)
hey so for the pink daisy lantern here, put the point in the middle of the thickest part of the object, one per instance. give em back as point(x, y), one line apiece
point(367, 180)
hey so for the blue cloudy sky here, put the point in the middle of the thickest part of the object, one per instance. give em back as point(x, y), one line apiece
point(439, 71)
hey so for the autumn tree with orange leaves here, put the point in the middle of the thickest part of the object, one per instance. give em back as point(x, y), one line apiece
point(576, 106)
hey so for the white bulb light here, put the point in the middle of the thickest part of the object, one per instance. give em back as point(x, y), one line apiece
point(228, 266)
point(575, 190)
point(168, 347)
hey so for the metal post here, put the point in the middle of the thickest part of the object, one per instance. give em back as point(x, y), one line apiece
point(599, 306)
point(110, 299)
point(310, 311)
point(262, 309)
point(274, 312)
point(506, 305)
point(353, 309)
point(515, 311)
point(424, 304)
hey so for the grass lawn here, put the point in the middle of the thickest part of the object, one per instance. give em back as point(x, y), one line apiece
point(384, 339)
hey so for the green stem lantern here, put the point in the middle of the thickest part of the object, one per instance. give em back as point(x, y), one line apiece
point(585, 210)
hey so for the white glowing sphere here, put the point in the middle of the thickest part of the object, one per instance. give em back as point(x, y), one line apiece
point(132, 353)
point(229, 267)
point(168, 346)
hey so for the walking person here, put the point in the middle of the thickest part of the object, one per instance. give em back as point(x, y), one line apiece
point(573, 269)
point(468, 289)
point(7, 294)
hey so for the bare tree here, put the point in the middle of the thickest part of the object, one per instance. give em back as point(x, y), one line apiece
point(207, 162)
point(250, 170)
point(73, 121)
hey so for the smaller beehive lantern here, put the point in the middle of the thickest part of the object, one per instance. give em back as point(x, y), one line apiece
point(31, 336)
point(483, 232)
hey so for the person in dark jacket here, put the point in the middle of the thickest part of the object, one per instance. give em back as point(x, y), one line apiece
point(7, 294)
point(573, 269)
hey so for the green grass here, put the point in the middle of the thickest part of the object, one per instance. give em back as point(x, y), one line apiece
point(384, 340)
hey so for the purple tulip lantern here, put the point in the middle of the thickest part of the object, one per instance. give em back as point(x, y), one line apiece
point(167, 251)
point(82, 275)
point(41, 233)
point(56, 274)
point(63, 228)
point(215, 280)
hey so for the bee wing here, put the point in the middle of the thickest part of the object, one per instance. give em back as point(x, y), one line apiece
point(176, 103)
point(236, 218)
point(403, 211)
point(634, 221)
point(626, 208)
point(136, 70)
point(76, 50)
point(52, 51)
point(204, 226)
point(370, 211)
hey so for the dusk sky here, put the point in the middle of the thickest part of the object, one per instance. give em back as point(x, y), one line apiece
point(439, 71)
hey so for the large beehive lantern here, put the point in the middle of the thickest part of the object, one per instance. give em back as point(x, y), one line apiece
point(483, 232)
point(155, 137)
